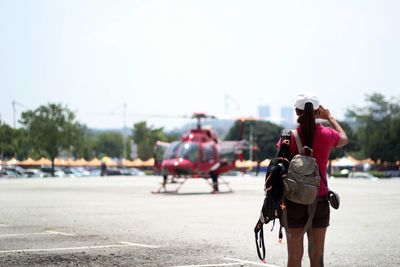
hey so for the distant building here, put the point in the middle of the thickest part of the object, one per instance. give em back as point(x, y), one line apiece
point(288, 119)
point(264, 111)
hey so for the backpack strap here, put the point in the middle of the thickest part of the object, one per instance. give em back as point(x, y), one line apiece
point(259, 236)
point(312, 207)
point(311, 212)
point(298, 141)
point(323, 180)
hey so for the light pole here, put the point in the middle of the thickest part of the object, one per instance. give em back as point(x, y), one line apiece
point(14, 105)
point(251, 142)
point(124, 131)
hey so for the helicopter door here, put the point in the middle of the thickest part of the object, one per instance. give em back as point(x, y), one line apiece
point(159, 150)
point(208, 162)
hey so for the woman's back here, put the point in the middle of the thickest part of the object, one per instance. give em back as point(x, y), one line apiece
point(325, 139)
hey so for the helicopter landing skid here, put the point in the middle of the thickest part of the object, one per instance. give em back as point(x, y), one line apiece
point(179, 182)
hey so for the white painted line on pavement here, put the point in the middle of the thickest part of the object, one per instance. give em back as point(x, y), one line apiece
point(252, 262)
point(124, 244)
point(24, 234)
point(138, 245)
point(237, 263)
point(40, 233)
point(58, 233)
point(3, 225)
point(59, 249)
point(210, 265)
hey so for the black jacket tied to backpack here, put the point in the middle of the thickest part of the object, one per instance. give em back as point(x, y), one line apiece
point(272, 208)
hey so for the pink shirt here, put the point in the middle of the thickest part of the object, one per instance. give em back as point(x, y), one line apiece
point(324, 140)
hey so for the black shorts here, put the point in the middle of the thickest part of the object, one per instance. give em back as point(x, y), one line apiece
point(297, 214)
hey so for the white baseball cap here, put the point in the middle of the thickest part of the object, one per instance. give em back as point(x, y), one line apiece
point(304, 98)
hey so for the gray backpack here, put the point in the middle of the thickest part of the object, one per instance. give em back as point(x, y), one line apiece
point(301, 185)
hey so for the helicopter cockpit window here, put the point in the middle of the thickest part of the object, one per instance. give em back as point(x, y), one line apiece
point(172, 150)
point(189, 151)
point(208, 153)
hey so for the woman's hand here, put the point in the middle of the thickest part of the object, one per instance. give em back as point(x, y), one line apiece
point(324, 114)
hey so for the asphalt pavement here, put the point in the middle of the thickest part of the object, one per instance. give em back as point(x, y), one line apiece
point(117, 221)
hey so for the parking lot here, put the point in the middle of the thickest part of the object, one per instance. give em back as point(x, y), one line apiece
point(116, 221)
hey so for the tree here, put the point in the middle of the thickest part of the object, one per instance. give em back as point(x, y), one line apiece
point(378, 127)
point(7, 149)
point(352, 147)
point(85, 143)
point(265, 136)
point(109, 143)
point(51, 127)
point(21, 144)
point(13, 142)
point(145, 137)
point(172, 136)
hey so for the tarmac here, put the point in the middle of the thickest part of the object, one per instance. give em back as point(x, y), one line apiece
point(117, 221)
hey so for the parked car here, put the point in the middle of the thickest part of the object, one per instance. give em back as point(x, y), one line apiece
point(365, 175)
point(58, 172)
point(133, 172)
point(75, 172)
point(82, 171)
point(95, 172)
point(8, 173)
point(114, 171)
point(31, 173)
point(12, 172)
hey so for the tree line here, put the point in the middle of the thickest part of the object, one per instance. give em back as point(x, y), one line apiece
point(373, 131)
point(52, 130)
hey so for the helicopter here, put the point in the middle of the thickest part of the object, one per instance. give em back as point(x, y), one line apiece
point(198, 154)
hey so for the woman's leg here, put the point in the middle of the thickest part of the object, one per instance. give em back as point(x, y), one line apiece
point(316, 243)
point(294, 238)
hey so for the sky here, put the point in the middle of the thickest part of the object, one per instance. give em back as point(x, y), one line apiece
point(178, 57)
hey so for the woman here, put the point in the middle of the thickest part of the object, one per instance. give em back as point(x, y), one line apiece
point(321, 139)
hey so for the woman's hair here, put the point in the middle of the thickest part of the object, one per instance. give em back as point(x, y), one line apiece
point(307, 124)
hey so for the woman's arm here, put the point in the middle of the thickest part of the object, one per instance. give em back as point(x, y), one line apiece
point(326, 115)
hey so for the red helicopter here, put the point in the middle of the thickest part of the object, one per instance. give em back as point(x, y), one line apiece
point(199, 154)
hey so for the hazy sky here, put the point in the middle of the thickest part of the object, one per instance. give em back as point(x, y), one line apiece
point(178, 57)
